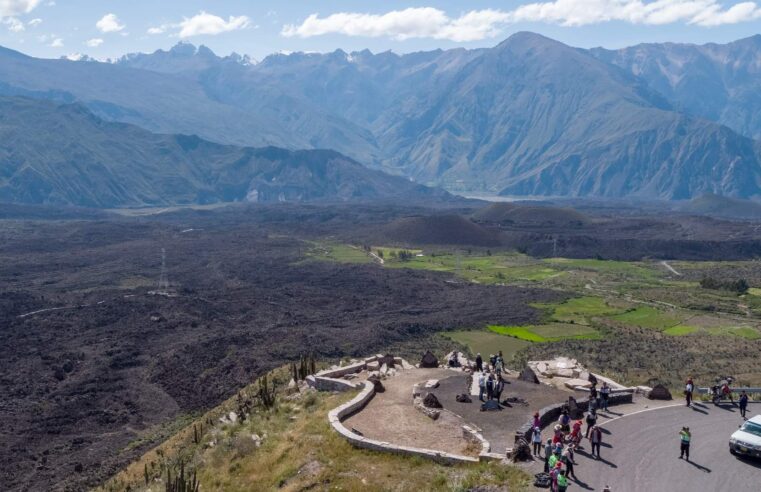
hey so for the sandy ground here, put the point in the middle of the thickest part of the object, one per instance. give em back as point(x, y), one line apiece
point(391, 417)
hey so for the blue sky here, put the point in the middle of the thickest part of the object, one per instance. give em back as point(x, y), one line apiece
point(110, 28)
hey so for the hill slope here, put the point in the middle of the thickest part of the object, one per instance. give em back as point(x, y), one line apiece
point(720, 82)
point(88, 162)
point(529, 116)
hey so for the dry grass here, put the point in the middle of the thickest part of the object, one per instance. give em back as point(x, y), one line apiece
point(300, 451)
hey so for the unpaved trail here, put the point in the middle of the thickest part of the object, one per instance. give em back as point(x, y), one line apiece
point(670, 268)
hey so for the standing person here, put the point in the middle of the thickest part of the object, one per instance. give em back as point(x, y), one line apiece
point(604, 395)
point(568, 461)
point(684, 440)
point(593, 397)
point(554, 473)
point(688, 389)
point(481, 386)
point(595, 438)
point(536, 440)
point(537, 421)
point(565, 421)
point(498, 365)
point(743, 403)
point(492, 361)
point(591, 422)
point(490, 387)
point(563, 481)
point(726, 392)
point(547, 453)
point(499, 386)
point(479, 363)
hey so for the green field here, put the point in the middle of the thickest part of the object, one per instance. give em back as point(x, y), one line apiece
point(680, 330)
point(342, 253)
point(486, 342)
point(579, 310)
point(547, 333)
point(648, 317)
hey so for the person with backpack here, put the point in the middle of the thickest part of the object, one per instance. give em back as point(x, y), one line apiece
point(554, 474)
point(595, 437)
point(553, 460)
point(684, 443)
point(536, 440)
point(591, 422)
point(743, 404)
point(604, 395)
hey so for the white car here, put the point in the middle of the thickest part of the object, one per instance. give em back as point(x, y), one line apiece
point(747, 440)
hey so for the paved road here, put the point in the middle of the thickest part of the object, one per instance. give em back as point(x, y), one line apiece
point(641, 453)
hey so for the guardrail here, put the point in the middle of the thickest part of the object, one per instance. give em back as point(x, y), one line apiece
point(703, 391)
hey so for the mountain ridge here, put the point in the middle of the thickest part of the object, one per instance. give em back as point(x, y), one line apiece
point(89, 162)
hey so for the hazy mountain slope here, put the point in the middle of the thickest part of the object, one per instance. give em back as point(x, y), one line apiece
point(721, 82)
point(88, 162)
point(529, 116)
point(177, 103)
point(533, 116)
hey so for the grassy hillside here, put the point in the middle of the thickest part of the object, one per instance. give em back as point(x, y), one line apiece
point(298, 451)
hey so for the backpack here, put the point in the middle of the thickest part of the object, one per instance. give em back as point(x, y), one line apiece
point(542, 480)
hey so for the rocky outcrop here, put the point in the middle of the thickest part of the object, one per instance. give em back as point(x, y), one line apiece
point(429, 361)
point(659, 392)
point(528, 375)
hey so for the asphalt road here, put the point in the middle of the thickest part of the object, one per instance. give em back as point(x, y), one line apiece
point(640, 453)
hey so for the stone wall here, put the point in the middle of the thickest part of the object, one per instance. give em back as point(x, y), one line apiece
point(336, 416)
point(550, 414)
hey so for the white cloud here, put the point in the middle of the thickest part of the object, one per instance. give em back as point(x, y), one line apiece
point(10, 8)
point(423, 22)
point(159, 29)
point(657, 12)
point(205, 23)
point(109, 23)
point(94, 42)
point(429, 22)
point(14, 25)
point(34, 22)
point(57, 43)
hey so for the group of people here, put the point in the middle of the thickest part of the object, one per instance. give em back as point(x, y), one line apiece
point(490, 382)
point(720, 392)
point(559, 450)
point(496, 363)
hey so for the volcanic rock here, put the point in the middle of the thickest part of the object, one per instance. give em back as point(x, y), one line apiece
point(429, 360)
point(659, 392)
point(430, 401)
point(528, 374)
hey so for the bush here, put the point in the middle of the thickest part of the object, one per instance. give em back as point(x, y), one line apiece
point(740, 286)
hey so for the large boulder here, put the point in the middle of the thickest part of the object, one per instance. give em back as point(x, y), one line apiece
point(430, 401)
point(429, 360)
point(528, 375)
point(659, 392)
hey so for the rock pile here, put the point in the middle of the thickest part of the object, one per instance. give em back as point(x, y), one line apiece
point(463, 398)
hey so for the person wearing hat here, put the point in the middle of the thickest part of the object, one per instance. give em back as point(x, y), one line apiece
point(684, 440)
point(554, 473)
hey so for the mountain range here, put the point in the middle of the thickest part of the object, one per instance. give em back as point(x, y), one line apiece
point(59, 153)
point(530, 116)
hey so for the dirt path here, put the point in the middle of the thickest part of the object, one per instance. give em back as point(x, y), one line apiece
point(391, 417)
point(670, 268)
